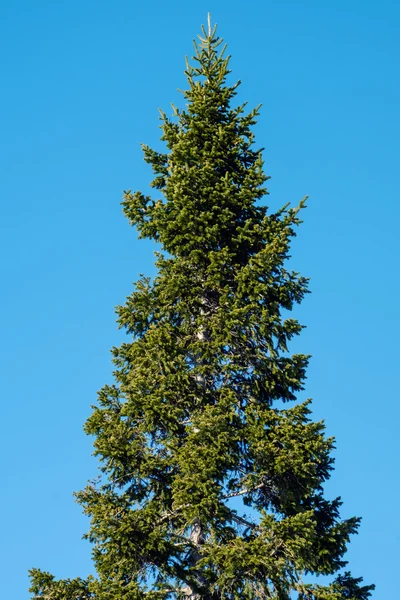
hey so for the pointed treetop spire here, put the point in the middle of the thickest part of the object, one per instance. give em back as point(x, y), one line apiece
point(209, 24)
point(210, 35)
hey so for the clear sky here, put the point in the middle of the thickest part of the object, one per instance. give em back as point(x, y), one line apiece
point(81, 82)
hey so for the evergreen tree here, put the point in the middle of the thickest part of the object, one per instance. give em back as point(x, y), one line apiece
point(212, 477)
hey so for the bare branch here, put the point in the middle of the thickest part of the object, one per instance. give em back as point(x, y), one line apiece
point(243, 491)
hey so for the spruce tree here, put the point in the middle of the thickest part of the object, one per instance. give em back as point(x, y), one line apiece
point(212, 477)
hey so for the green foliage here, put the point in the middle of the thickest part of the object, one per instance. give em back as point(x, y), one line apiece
point(195, 430)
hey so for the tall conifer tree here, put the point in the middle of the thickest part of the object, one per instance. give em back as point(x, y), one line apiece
point(212, 476)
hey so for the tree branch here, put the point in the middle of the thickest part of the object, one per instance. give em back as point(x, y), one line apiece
point(243, 491)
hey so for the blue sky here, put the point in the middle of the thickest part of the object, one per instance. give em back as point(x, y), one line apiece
point(81, 85)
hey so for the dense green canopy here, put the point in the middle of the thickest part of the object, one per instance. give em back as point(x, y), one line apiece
point(212, 476)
